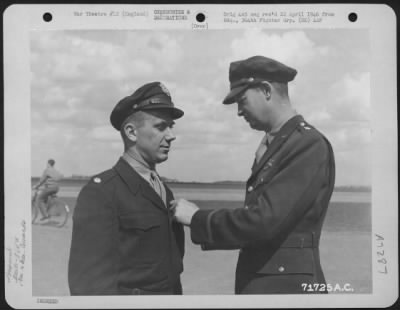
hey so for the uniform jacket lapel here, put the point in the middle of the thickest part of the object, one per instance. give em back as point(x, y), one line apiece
point(135, 183)
point(170, 195)
point(278, 141)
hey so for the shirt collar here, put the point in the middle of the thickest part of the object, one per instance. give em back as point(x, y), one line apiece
point(139, 165)
point(271, 135)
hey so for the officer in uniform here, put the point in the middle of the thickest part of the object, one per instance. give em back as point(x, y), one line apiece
point(124, 238)
point(287, 194)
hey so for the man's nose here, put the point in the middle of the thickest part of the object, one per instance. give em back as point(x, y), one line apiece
point(170, 135)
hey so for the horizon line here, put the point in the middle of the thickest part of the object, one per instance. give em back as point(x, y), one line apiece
point(81, 178)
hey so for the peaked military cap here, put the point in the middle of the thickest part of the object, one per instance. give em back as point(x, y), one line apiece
point(249, 72)
point(151, 96)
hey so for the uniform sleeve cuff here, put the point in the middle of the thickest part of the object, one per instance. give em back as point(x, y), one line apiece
point(198, 227)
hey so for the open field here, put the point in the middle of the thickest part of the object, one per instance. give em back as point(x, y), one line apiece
point(345, 253)
point(215, 191)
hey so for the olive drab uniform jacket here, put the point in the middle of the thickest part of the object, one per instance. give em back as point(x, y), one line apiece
point(124, 238)
point(278, 229)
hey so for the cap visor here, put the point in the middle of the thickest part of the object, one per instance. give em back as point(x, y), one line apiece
point(175, 112)
point(234, 93)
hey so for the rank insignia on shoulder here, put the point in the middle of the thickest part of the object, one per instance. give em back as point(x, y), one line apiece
point(304, 125)
point(97, 180)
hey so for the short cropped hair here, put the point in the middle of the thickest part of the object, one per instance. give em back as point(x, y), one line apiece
point(280, 88)
point(51, 162)
point(137, 119)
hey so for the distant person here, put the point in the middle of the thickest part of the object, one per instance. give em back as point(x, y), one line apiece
point(287, 195)
point(49, 179)
point(124, 238)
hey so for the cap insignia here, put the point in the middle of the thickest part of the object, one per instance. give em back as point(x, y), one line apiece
point(155, 100)
point(165, 90)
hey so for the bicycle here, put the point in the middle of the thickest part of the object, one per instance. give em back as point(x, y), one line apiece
point(56, 208)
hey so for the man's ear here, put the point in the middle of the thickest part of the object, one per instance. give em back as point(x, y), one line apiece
point(130, 131)
point(267, 87)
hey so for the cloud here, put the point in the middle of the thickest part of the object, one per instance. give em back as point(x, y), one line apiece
point(79, 76)
point(71, 56)
point(319, 116)
point(344, 114)
point(105, 133)
point(54, 95)
point(351, 138)
point(352, 98)
point(207, 122)
point(291, 48)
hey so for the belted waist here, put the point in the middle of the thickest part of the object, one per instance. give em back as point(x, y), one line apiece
point(305, 240)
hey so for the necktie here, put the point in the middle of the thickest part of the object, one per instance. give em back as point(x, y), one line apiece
point(262, 148)
point(158, 186)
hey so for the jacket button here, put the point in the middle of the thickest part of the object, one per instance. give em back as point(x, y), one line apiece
point(281, 269)
point(246, 207)
point(250, 188)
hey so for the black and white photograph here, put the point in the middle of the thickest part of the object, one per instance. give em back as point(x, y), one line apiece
point(202, 161)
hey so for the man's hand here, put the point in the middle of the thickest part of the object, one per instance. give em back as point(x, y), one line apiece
point(184, 210)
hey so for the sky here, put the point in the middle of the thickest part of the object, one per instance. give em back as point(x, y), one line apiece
point(77, 77)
